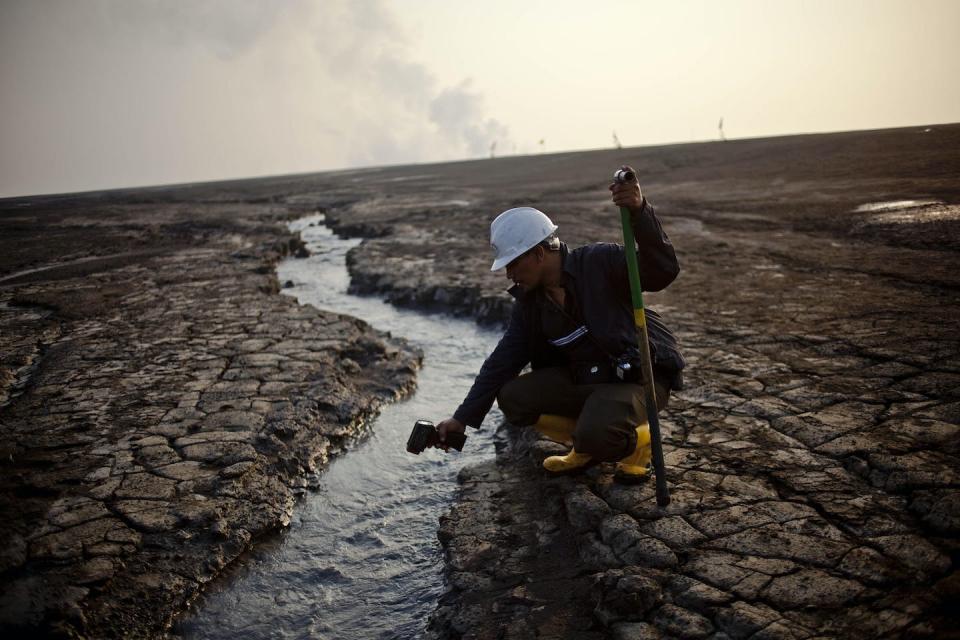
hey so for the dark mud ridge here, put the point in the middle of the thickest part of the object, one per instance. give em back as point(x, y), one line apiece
point(375, 268)
point(161, 405)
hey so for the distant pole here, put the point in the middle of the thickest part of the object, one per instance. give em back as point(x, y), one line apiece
point(493, 149)
point(616, 141)
point(543, 145)
point(720, 126)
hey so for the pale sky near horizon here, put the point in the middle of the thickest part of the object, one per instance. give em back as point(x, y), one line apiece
point(100, 94)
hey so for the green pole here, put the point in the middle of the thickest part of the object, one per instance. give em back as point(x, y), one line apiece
point(640, 320)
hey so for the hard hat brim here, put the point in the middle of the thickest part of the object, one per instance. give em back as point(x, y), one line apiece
point(500, 263)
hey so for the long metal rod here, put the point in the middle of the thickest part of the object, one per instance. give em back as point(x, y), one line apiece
point(640, 319)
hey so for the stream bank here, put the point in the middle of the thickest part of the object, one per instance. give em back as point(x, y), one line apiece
point(162, 410)
point(360, 559)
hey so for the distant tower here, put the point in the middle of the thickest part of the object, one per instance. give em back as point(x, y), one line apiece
point(720, 126)
point(493, 149)
point(616, 141)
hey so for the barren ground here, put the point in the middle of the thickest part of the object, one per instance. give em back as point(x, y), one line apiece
point(162, 405)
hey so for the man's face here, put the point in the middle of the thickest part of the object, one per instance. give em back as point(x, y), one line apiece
point(525, 270)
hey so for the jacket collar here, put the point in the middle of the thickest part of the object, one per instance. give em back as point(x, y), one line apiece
point(566, 260)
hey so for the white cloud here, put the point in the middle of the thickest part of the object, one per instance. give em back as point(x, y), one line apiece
point(458, 112)
point(112, 93)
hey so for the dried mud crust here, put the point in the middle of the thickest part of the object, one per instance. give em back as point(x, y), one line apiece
point(162, 406)
point(512, 563)
point(812, 455)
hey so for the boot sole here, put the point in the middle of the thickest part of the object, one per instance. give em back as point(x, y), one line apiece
point(571, 472)
point(630, 478)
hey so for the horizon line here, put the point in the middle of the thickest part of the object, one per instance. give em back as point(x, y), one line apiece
point(213, 181)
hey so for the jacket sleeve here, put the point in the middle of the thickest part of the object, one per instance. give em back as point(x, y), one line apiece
point(511, 354)
point(655, 255)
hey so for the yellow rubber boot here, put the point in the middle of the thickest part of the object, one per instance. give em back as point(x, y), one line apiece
point(569, 463)
point(636, 467)
point(557, 428)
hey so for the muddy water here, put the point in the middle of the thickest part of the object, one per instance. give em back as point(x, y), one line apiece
point(361, 557)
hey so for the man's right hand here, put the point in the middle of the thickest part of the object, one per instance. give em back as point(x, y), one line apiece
point(445, 427)
point(627, 194)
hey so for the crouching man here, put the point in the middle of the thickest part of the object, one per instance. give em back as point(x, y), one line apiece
point(572, 321)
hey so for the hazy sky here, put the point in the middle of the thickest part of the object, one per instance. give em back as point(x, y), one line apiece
point(110, 93)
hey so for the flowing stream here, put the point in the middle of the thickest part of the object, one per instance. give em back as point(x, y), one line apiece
point(361, 557)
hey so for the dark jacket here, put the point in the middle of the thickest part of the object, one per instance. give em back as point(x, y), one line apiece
point(597, 274)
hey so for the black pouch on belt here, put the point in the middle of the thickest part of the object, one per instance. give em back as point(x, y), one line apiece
point(593, 373)
point(621, 370)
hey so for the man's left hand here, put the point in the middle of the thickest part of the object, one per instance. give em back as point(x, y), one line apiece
point(627, 194)
point(445, 427)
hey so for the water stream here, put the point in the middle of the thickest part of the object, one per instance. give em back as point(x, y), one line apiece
point(361, 557)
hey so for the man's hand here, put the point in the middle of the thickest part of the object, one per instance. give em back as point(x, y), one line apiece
point(445, 427)
point(627, 194)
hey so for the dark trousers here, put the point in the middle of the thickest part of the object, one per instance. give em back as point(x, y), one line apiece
point(607, 414)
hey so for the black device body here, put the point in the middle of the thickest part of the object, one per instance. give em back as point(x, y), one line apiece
point(425, 435)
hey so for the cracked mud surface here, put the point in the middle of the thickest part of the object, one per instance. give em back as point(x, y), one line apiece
point(161, 408)
point(812, 456)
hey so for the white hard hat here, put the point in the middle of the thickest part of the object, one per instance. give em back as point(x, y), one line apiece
point(515, 231)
